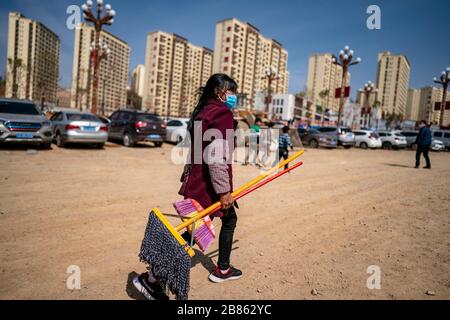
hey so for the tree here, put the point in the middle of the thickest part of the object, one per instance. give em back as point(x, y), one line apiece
point(2, 87)
point(16, 71)
point(134, 100)
point(323, 94)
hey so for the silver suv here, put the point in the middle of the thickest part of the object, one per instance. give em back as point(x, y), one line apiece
point(20, 121)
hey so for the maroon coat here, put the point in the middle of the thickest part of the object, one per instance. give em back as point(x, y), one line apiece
point(197, 180)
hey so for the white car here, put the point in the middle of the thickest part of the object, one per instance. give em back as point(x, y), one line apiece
point(392, 140)
point(176, 130)
point(367, 139)
point(437, 145)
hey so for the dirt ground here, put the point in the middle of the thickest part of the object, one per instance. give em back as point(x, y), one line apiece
point(318, 228)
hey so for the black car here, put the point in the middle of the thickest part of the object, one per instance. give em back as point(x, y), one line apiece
point(132, 126)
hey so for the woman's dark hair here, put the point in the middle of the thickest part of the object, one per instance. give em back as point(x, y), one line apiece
point(217, 83)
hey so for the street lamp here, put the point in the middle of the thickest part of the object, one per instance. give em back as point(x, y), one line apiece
point(369, 88)
point(97, 51)
point(270, 75)
point(345, 60)
point(443, 80)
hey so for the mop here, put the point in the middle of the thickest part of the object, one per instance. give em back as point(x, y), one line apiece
point(169, 254)
point(203, 230)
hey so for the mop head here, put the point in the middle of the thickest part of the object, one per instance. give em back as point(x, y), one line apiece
point(167, 257)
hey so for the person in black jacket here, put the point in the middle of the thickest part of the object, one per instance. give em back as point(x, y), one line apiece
point(423, 142)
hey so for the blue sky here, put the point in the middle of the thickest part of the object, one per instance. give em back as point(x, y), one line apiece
point(419, 29)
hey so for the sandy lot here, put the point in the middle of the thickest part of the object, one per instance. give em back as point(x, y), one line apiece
point(318, 228)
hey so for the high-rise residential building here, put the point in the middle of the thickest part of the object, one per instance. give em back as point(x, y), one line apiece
point(243, 53)
point(113, 72)
point(393, 81)
point(175, 69)
point(32, 69)
point(138, 80)
point(427, 97)
point(413, 104)
point(324, 77)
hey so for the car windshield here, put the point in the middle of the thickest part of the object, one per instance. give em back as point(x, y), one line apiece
point(373, 134)
point(346, 130)
point(314, 131)
point(18, 108)
point(81, 117)
point(147, 117)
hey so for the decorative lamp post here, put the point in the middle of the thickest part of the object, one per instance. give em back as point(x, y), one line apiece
point(443, 80)
point(270, 75)
point(345, 60)
point(97, 51)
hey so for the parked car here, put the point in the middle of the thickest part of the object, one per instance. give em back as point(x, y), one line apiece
point(105, 120)
point(133, 126)
point(392, 140)
point(444, 136)
point(366, 139)
point(437, 145)
point(78, 127)
point(314, 138)
point(176, 130)
point(345, 136)
point(410, 136)
point(20, 121)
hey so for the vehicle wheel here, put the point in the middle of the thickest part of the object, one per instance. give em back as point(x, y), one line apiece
point(128, 140)
point(59, 141)
point(363, 145)
point(414, 146)
point(100, 145)
point(313, 144)
point(387, 146)
point(347, 147)
point(158, 144)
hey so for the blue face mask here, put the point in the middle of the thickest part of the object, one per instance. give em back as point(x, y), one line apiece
point(231, 101)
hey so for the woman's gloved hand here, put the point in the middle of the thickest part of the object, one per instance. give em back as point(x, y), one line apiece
point(226, 200)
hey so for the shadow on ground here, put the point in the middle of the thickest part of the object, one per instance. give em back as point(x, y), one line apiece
point(398, 165)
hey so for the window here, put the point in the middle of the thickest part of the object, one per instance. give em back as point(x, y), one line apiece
point(226, 59)
point(437, 134)
point(81, 117)
point(18, 108)
point(382, 134)
point(447, 135)
point(228, 39)
point(227, 49)
point(174, 123)
point(229, 29)
point(125, 116)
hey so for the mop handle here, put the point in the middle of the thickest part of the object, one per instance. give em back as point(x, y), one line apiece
point(266, 181)
point(258, 185)
point(217, 205)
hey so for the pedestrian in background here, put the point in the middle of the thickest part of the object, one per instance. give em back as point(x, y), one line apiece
point(284, 145)
point(423, 142)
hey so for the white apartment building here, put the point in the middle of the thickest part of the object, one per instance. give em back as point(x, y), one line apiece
point(33, 54)
point(113, 72)
point(324, 76)
point(243, 53)
point(392, 82)
point(174, 71)
point(138, 80)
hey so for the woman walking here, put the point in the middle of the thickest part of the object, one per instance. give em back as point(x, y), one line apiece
point(210, 180)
